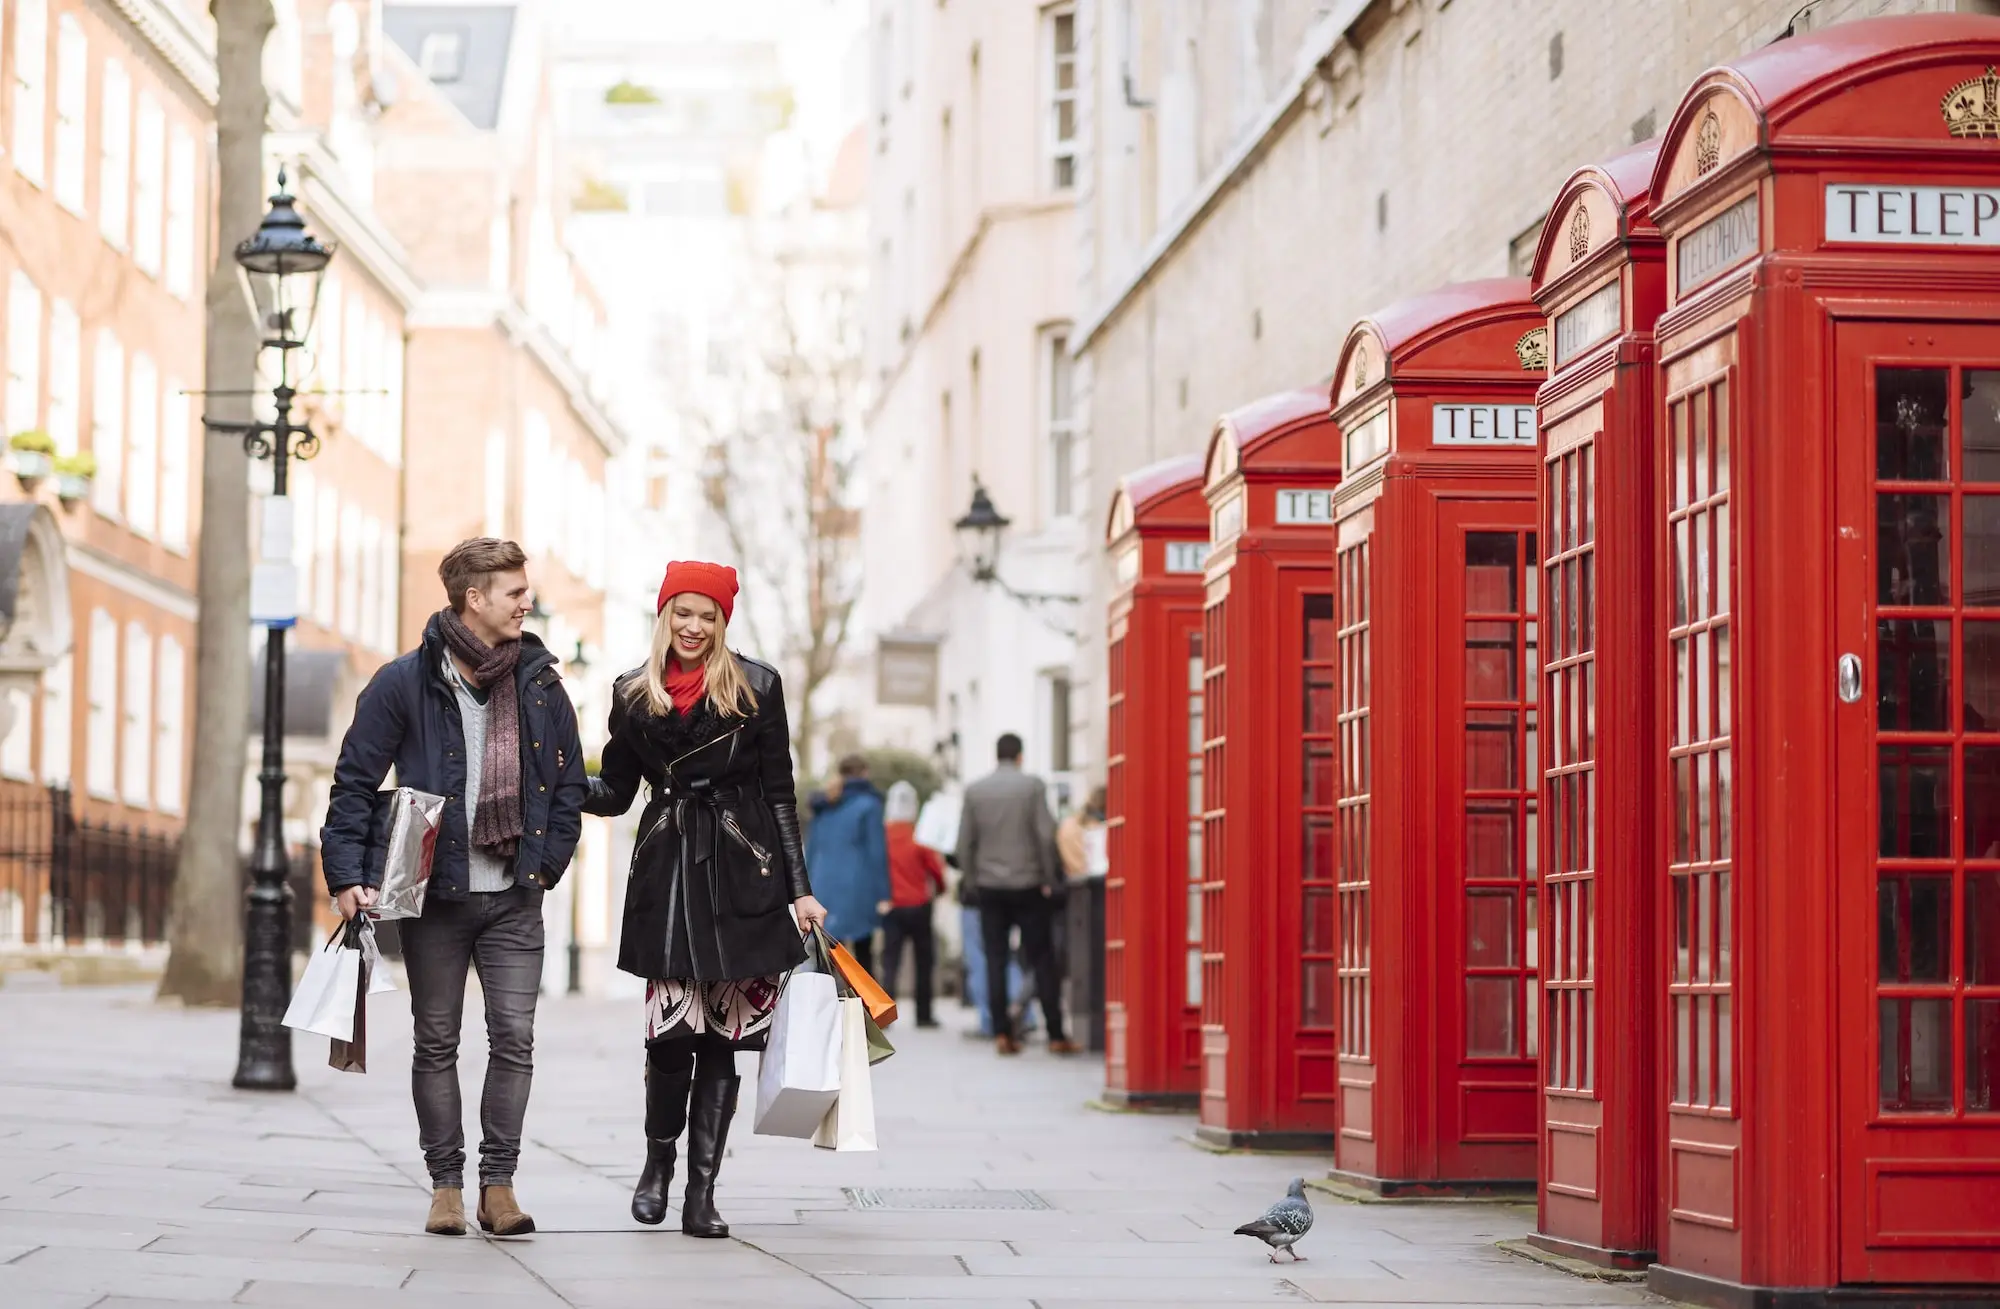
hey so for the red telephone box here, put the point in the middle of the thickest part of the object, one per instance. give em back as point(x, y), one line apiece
point(1158, 543)
point(1600, 275)
point(1830, 666)
point(1437, 728)
point(1267, 985)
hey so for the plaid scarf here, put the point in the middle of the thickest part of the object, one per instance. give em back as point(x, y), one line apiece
point(497, 820)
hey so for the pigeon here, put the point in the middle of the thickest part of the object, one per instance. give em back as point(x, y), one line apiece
point(1283, 1223)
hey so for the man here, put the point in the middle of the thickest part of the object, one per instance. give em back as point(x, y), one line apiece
point(916, 875)
point(478, 715)
point(849, 857)
point(1007, 852)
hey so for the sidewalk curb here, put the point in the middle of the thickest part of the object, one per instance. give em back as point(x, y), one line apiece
point(1362, 1195)
point(1578, 1268)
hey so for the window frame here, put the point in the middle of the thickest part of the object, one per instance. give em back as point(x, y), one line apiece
point(1060, 152)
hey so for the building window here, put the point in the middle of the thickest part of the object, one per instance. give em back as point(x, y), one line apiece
point(17, 749)
point(1059, 722)
point(142, 469)
point(1059, 25)
point(138, 753)
point(172, 727)
point(149, 187)
point(65, 376)
point(115, 155)
point(1059, 420)
point(31, 89)
point(101, 742)
point(442, 56)
point(176, 474)
point(55, 722)
point(24, 354)
point(182, 254)
point(72, 101)
point(107, 424)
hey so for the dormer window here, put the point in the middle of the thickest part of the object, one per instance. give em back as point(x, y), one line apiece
point(442, 56)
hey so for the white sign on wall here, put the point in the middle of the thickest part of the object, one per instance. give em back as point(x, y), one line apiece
point(1305, 507)
point(1509, 425)
point(1186, 556)
point(1913, 215)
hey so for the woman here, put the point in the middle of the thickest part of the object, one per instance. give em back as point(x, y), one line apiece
point(716, 874)
point(916, 876)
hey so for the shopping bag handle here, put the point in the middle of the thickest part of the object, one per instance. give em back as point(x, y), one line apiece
point(819, 948)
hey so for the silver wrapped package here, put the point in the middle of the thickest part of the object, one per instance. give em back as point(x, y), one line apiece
point(406, 863)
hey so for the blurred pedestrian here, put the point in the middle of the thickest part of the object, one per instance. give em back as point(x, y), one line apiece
point(1007, 851)
point(717, 876)
point(916, 876)
point(849, 854)
point(1073, 835)
point(476, 713)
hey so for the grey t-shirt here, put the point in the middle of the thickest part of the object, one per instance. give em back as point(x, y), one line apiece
point(486, 871)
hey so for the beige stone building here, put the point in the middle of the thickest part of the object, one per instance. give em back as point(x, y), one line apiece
point(1254, 176)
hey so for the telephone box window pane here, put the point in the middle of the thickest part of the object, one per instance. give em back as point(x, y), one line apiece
point(1490, 929)
point(1916, 801)
point(1682, 531)
point(1724, 1051)
point(1722, 804)
point(1489, 843)
point(1911, 411)
point(1321, 710)
point(1532, 956)
point(1534, 1013)
point(1981, 675)
point(1720, 439)
point(1320, 628)
point(1982, 928)
point(1492, 572)
point(1321, 865)
point(1586, 597)
point(1490, 1018)
point(1979, 413)
point(1194, 853)
point(1722, 706)
point(1194, 978)
point(1319, 994)
point(1683, 1054)
point(1489, 661)
point(1722, 556)
point(1684, 732)
point(1913, 928)
point(1587, 491)
point(1683, 810)
point(1534, 851)
point(1698, 451)
point(1982, 551)
point(1492, 749)
point(1319, 933)
point(1982, 1056)
point(1320, 788)
point(1194, 917)
point(1570, 535)
point(1915, 1055)
point(1913, 549)
point(1703, 526)
point(1677, 475)
point(1982, 801)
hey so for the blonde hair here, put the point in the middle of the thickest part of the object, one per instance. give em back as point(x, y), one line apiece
point(729, 693)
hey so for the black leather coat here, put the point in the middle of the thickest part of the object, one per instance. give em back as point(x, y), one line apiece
point(718, 860)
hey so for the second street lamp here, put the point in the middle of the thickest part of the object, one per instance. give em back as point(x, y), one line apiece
point(271, 265)
point(979, 534)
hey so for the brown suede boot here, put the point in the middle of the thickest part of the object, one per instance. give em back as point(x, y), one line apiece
point(499, 1214)
point(447, 1212)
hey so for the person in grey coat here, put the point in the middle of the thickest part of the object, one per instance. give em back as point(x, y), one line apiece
point(1007, 856)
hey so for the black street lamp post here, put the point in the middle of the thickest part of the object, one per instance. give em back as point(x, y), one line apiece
point(979, 533)
point(281, 249)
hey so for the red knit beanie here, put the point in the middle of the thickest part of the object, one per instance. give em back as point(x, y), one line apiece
point(716, 581)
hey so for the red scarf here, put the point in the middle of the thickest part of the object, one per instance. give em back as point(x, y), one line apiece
point(686, 686)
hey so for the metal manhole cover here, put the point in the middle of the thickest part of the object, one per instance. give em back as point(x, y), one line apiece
point(905, 1198)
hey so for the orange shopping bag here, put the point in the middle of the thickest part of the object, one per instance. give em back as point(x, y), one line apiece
point(881, 1005)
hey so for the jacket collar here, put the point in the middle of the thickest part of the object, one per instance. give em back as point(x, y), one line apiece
point(534, 655)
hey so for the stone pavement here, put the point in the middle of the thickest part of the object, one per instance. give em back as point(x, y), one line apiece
point(132, 1175)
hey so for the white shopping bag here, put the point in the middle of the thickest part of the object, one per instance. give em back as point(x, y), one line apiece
point(850, 1124)
point(326, 996)
point(371, 960)
point(798, 1078)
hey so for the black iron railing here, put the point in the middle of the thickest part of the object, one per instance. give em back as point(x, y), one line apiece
point(66, 880)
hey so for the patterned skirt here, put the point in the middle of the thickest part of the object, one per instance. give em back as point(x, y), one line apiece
point(735, 1011)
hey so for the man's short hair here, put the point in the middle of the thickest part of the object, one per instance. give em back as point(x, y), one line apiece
point(472, 566)
point(1009, 749)
point(853, 766)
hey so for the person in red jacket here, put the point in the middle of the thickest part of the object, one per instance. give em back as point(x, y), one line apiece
point(916, 876)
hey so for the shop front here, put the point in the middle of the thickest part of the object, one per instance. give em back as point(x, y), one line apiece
point(1600, 276)
point(1830, 665)
point(1435, 620)
point(1267, 847)
point(1157, 541)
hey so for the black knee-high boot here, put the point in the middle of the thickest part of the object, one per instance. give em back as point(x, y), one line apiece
point(666, 1116)
point(711, 1106)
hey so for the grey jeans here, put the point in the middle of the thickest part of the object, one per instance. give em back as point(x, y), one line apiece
point(500, 934)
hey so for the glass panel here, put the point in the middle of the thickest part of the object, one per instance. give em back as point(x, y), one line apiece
point(1320, 708)
point(1531, 846)
point(1913, 928)
point(1913, 678)
point(1531, 956)
point(1319, 628)
point(1490, 929)
point(1979, 415)
point(1489, 1018)
point(1194, 978)
point(1320, 864)
point(1698, 451)
point(1704, 679)
point(1318, 987)
point(1982, 550)
point(1677, 474)
point(1915, 1055)
point(1704, 1048)
point(1534, 1018)
point(1979, 671)
point(1913, 549)
point(1722, 707)
point(1490, 673)
point(1982, 801)
point(1491, 572)
point(1683, 809)
point(1683, 576)
point(1320, 786)
point(1683, 1056)
point(1489, 843)
point(1915, 812)
point(1723, 811)
point(1723, 552)
point(1586, 603)
point(1911, 410)
point(1720, 438)
point(1725, 1051)
point(1982, 928)
point(1319, 936)
point(1532, 647)
point(1703, 886)
point(1492, 749)
point(1194, 916)
point(1587, 491)
point(1982, 1056)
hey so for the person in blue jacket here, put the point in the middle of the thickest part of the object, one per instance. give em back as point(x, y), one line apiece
point(848, 852)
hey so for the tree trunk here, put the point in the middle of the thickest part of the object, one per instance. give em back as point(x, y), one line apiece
point(205, 929)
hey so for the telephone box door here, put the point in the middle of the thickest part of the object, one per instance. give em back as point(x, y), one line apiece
point(1917, 458)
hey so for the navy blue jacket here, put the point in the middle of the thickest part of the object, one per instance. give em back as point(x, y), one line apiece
point(848, 853)
point(408, 717)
